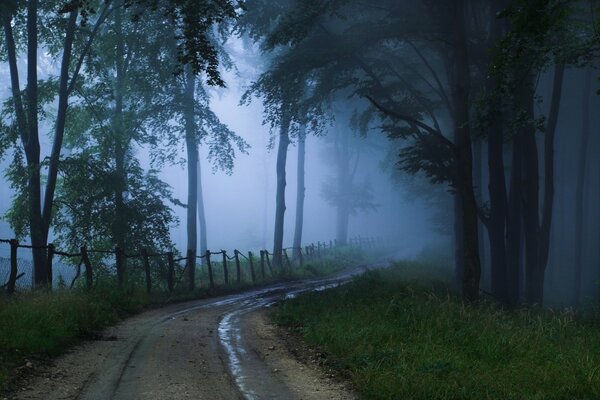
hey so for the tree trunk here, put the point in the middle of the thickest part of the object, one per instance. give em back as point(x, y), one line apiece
point(32, 151)
point(514, 225)
point(201, 215)
point(344, 180)
point(460, 96)
point(120, 221)
point(300, 194)
point(459, 243)
point(579, 195)
point(478, 189)
point(498, 211)
point(537, 237)
point(192, 166)
point(284, 142)
point(498, 217)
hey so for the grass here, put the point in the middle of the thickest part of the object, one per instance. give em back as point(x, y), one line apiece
point(43, 324)
point(400, 335)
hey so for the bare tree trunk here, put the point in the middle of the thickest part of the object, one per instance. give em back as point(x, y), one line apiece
point(32, 150)
point(344, 180)
point(537, 236)
point(459, 243)
point(478, 188)
point(514, 226)
point(120, 220)
point(201, 215)
point(192, 167)
point(284, 142)
point(460, 96)
point(579, 195)
point(300, 194)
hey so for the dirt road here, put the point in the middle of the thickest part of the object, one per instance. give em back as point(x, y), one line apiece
point(221, 348)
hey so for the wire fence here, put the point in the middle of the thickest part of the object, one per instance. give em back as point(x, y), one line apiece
point(159, 271)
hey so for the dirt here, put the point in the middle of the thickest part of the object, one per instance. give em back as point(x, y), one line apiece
point(297, 365)
point(176, 353)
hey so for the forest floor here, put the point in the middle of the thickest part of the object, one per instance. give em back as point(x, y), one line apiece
point(222, 348)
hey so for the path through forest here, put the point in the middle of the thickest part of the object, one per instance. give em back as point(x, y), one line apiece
point(222, 348)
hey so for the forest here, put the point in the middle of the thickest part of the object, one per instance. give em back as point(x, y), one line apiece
point(484, 108)
point(150, 135)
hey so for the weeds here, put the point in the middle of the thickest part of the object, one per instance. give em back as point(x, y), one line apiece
point(400, 335)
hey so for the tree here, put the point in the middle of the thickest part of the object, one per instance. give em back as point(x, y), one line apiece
point(194, 21)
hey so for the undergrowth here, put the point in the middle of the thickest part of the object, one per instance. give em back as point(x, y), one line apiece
point(400, 335)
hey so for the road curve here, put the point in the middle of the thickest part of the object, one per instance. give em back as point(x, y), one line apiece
point(202, 349)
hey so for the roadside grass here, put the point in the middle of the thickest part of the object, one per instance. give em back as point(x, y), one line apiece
point(399, 334)
point(42, 324)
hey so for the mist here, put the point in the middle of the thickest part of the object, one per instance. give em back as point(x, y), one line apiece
point(387, 154)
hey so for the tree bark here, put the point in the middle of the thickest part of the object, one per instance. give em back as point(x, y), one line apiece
point(192, 165)
point(514, 225)
point(344, 180)
point(537, 237)
point(460, 96)
point(284, 142)
point(120, 221)
point(580, 189)
point(459, 243)
point(201, 215)
point(300, 194)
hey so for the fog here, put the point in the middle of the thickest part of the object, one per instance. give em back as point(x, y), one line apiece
point(480, 151)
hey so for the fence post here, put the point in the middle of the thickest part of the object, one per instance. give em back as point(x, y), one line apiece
point(119, 264)
point(300, 256)
point(237, 265)
point(171, 271)
point(262, 263)
point(210, 274)
point(89, 275)
point(12, 279)
point(50, 256)
point(147, 269)
point(287, 259)
point(191, 262)
point(268, 263)
point(225, 270)
point(251, 267)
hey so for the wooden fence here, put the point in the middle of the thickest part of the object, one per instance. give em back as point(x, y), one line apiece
point(229, 267)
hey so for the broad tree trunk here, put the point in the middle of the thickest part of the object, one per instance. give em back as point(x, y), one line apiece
point(300, 194)
point(32, 150)
point(27, 120)
point(498, 211)
point(497, 223)
point(478, 188)
point(120, 221)
point(514, 225)
point(460, 97)
point(459, 243)
point(201, 215)
point(192, 165)
point(537, 236)
point(580, 189)
point(284, 142)
point(344, 180)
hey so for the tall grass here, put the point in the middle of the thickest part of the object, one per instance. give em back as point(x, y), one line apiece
point(399, 335)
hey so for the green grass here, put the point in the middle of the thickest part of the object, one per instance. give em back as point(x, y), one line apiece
point(43, 324)
point(400, 335)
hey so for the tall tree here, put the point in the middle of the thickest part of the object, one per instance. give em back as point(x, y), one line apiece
point(581, 184)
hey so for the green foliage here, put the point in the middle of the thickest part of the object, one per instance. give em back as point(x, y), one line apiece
point(400, 333)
